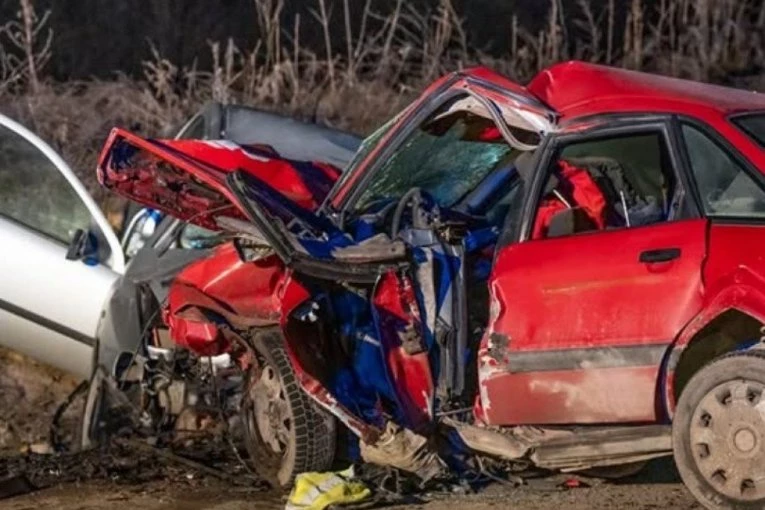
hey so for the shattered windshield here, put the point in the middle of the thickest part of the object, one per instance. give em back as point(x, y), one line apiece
point(367, 146)
point(446, 157)
point(754, 126)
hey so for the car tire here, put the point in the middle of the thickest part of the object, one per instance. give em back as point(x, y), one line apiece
point(286, 432)
point(718, 433)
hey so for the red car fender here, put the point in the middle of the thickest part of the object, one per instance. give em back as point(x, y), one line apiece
point(248, 291)
point(190, 327)
point(741, 293)
point(223, 289)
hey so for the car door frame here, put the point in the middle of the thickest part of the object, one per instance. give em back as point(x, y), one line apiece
point(581, 130)
point(604, 126)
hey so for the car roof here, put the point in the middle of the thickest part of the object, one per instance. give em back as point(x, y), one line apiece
point(576, 89)
point(290, 137)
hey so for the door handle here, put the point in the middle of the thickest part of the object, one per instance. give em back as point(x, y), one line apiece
point(663, 255)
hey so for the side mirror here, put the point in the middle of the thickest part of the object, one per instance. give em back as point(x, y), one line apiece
point(83, 246)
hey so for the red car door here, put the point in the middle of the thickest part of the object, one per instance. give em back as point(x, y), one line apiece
point(581, 323)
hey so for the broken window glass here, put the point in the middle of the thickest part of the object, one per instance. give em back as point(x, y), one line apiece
point(446, 157)
point(33, 191)
point(754, 126)
point(724, 185)
point(365, 149)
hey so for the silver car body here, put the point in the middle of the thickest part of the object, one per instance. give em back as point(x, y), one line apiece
point(50, 307)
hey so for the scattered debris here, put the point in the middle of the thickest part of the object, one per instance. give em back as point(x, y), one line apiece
point(317, 491)
point(237, 478)
point(127, 460)
point(574, 483)
point(403, 449)
point(14, 485)
point(56, 439)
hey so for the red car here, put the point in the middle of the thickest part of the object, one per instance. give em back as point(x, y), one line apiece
point(568, 274)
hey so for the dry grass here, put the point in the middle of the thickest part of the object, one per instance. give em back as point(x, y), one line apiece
point(384, 59)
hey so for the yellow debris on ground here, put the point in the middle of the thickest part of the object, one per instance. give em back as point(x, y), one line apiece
point(317, 491)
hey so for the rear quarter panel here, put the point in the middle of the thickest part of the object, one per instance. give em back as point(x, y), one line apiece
point(734, 279)
point(736, 260)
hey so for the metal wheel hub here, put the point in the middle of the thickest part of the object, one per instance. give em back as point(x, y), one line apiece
point(728, 439)
point(745, 440)
point(271, 410)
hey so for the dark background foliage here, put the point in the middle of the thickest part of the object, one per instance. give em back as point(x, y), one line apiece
point(98, 38)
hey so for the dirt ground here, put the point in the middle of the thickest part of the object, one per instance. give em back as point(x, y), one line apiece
point(30, 393)
point(126, 480)
point(158, 495)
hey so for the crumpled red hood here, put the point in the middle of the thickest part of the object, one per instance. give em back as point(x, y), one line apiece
point(187, 178)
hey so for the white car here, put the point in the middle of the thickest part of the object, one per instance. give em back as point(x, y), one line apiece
point(65, 285)
point(60, 257)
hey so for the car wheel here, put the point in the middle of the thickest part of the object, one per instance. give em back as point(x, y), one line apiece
point(286, 432)
point(719, 433)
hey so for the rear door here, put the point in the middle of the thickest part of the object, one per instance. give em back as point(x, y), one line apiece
point(49, 306)
point(584, 313)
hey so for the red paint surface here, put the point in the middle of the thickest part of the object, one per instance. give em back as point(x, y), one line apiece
point(578, 88)
point(248, 289)
point(734, 277)
point(187, 178)
point(396, 310)
point(608, 395)
point(244, 295)
point(590, 291)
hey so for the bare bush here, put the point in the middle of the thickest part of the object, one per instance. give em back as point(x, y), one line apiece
point(23, 52)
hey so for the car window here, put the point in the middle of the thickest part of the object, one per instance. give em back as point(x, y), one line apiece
point(754, 126)
point(723, 184)
point(446, 157)
point(611, 182)
point(33, 191)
